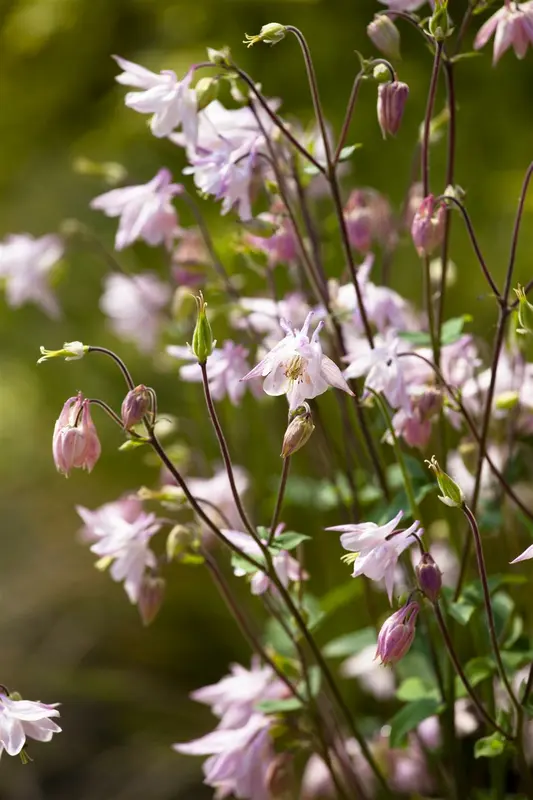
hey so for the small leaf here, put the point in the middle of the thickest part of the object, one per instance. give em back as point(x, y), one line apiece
point(288, 540)
point(279, 706)
point(132, 444)
point(490, 746)
point(350, 643)
point(479, 669)
point(461, 611)
point(347, 151)
point(409, 717)
point(462, 56)
point(414, 688)
point(452, 329)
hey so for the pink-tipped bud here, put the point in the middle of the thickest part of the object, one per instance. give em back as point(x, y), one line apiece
point(384, 35)
point(75, 443)
point(427, 228)
point(392, 98)
point(429, 577)
point(150, 598)
point(397, 634)
point(135, 406)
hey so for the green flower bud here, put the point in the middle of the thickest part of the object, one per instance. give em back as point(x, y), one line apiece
point(298, 431)
point(272, 33)
point(222, 57)
point(452, 494)
point(525, 312)
point(439, 23)
point(202, 338)
point(72, 351)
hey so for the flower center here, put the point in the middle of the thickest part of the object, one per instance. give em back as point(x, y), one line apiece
point(295, 367)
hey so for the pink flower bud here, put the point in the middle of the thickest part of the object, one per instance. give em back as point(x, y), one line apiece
point(75, 443)
point(384, 35)
point(427, 228)
point(135, 405)
point(368, 218)
point(392, 98)
point(397, 634)
point(429, 577)
point(150, 598)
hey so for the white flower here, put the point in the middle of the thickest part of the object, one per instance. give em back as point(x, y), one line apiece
point(22, 719)
point(384, 371)
point(172, 102)
point(297, 367)
point(376, 554)
point(72, 351)
point(134, 305)
point(25, 265)
point(146, 211)
point(226, 173)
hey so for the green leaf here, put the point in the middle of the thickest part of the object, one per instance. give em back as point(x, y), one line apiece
point(132, 444)
point(479, 669)
point(312, 611)
point(452, 329)
point(240, 563)
point(347, 151)
point(288, 540)
point(462, 56)
point(415, 688)
point(409, 717)
point(340, 596)
point(461, 611)
point(490, 746)
point(350, 643)
point(279, 706)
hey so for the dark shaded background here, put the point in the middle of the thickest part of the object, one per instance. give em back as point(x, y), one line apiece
point(68, 632)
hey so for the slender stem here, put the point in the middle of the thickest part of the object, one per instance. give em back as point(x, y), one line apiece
point(424, 150)
point(348, 116)
point(450, 175)
point(118, 361)
point(516, 231)
point(225, 453)
point(460, 671)
point(488, 604)
point(279, 500)
point(93, 401)
point(529, 686)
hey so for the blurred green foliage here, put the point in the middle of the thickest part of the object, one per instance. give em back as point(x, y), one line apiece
point(67, 631)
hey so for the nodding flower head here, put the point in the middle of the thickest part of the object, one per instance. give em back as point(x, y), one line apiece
point(75, 443)
point(397, 633)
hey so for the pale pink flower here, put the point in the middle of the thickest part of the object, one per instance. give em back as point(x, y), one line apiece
point(385, 371)
point(368, 218)
point(103, 521)
point(392, 97)
point(263, 315)
point(146, 211)
point(26, 265)
point(217, 491)
point(134, 305)
point(297, 367)
point(225, 367)
point(527, 554)
point(403, 5)
point(227, 174)
point(511, 25)
point(75, 443)
point(25, 719)
point(377, 550)
point(281, 246)
point(287, 568)
point(427, 228)
point(172, 102)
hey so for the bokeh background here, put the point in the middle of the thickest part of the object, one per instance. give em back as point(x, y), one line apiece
point(68, 632)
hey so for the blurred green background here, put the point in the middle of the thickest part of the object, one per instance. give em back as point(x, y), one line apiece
point(67, 631)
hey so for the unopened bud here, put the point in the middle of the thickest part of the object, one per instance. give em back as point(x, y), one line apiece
point(135, 405)
point(427, 229)
point(392, 98)
point(279, 778)
point(202, 338)
point(384, 35)
point(180, 539)
point(381, 73)
point(222, 57)
point(439, 23)
point(150, 598)
point(397, 634)
point(429, 577)
point(506, 401)
point(452, 494)
point(206, 91)
point(272, 33)
point(298, 432)
point(71, 351)
point(525, 312)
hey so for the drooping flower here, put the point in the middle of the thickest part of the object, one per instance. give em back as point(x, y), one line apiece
point(297, 367)
point(135, 405)
point(25, 719)
point(427, 228)
point(281, 246)
point(368, 218)
point(103, 520)
point(286, 567)
point(172, 102)
point(75, 443)
point(384, 370)
point(377, 549)
point(146, 211)
point(134, 305)
point(26, 264)
point(225, 367)
point(511, 25)
point(397, 633)
point(392, 97)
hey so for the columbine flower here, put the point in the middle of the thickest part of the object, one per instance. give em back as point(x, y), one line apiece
point(225, 368)
point(226, 173)
point(217, 491)
point(527, 554)
point(71, 351)
point(22, 719)
point(75, 443)
point(135, 405)
point(25, 265)
point(263, 315)
point(392, 97)
point(286, 567)
point(427, 228)
point(172, 102)
point(297, 367)
point(397, 634)
point(146, 211)
point(134, 306)
point(376, 549)
point(368, 218)
point(385, 372)
point(512, 25)
point(103, 520)
point(281, 246)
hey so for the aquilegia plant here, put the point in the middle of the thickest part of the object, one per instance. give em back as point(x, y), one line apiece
point(448, 666)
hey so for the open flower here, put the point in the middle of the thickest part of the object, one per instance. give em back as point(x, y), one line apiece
point(75, 443)
point(511, 25)
point(172, 102)
point(134, 305)
point(22, 719)
point(146, 211)
point(385, 371)
point(26, 264)
point(297, 367)
point(377, 548)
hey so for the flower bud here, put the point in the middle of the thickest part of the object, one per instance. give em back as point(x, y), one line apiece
point(452, 494)
point(75, 443)
point(397, 634)
point(222, 57)
point(72, 351)
point(427, 229)
point(272, 33)
point(150, 598)
point(135, 405)
point(384, 35)
point(298, 432)
point(202, 338)
point(392, 98)
point(429, 577)
point(279, 777)
point(206, 91)
point(525, 312)
point(180, 539)
point(439, 22)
